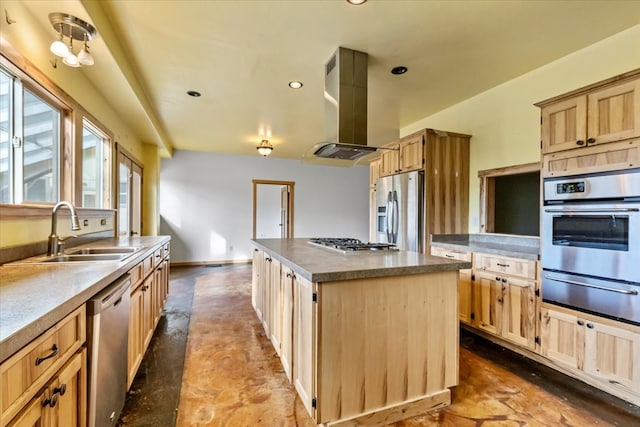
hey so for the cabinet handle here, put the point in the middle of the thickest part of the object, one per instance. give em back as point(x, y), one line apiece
point(591, 141)
point(449, 256)
point(52, 401)
point(289, 275)
point(504, 280)
point(497, 278)
point(61, 390)
point(580, 142)
point(54, 351)
point(590, 325)
point(502, 265)
point(580, 322)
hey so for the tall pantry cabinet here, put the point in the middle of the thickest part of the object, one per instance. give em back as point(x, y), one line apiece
point(444, 158)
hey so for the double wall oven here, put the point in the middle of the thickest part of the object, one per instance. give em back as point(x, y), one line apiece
point(591, 243)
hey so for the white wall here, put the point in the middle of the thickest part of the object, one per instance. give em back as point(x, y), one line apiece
point(206, 202)
point(504, 123)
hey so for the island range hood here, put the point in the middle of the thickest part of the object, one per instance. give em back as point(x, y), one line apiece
point(345, 94)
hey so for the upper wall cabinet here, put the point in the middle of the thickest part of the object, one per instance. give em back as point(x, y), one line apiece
point(586, 119)
point(403, 155)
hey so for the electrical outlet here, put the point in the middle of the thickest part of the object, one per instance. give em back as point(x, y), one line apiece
point(85, 222)
point(103, 221)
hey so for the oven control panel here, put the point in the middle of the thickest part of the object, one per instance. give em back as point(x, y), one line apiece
point(570, 187)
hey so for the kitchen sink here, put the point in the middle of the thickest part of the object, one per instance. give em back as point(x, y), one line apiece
point(84, 257)
point(102, 251)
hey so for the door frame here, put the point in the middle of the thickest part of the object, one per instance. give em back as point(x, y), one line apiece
point(120, 153)
point(290, 185)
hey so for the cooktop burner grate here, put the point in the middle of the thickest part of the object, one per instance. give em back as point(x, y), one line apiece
point(348, 244)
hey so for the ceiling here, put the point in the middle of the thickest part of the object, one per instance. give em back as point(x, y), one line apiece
point(241, 55)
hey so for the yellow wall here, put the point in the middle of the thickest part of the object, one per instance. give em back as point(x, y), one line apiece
point(32, 41)
point(503, 121)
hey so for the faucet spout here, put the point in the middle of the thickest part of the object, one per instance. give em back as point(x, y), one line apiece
point(54, 239)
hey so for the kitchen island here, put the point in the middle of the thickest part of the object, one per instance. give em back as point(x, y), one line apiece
point(365, 337)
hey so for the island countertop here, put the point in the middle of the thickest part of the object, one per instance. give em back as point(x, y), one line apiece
point(319, 264)
point(34, 297)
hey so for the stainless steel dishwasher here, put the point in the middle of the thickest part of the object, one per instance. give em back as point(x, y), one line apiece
point(108, 332)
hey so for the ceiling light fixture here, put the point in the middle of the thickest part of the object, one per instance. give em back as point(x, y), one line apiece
point(295, 84)
point(73, 28)
point(356, 2)
point(194, 93)
point(265, 148)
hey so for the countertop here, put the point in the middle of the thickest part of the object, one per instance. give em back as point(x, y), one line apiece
point(500, 244)
point(34, 297)
point(319, 264)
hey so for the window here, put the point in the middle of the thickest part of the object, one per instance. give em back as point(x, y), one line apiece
point(95, 166)
point(30, 141)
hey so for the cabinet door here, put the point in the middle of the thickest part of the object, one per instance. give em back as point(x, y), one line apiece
point(70, 388)
point(564, 125)
point(614, 113)
point(275, 308)
point(147, 310)
point(265, 284)
point(465, 296)
point(256, 288)
point(286, 349)
point(519, 324)
point(488, 300)
point(374, 172)
point(390, 159)
point(304, 342)
point(612, 354)
point(33, 415)
point(562, 338)
point(412, 152)
point(136, 334)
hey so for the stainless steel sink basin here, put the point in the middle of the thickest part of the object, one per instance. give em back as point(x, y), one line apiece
point(84, 258)
point(100, 251)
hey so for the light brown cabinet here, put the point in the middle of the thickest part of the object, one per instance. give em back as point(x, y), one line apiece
point(405, 155)
point(286, 342)
point(465, 289)
point(390, 159)
point(605, 350)
point(48, 378)
point(375, 167)
point(505, 297)
point(149, 290)
point(578, 129)
point(304, 342)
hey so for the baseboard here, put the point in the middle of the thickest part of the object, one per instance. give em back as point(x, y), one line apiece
point(209, 263)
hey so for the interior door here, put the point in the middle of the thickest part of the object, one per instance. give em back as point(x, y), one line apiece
point(284, 212)
point(129, 178)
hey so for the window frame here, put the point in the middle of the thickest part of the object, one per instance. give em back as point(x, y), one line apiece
point(73, 117)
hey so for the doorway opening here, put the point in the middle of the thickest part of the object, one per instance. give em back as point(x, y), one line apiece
point(272, 209)
point(129, 194)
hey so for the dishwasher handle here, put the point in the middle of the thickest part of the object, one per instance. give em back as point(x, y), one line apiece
point(110, 296)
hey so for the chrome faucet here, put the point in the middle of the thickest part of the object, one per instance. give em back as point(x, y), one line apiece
point(55, 242)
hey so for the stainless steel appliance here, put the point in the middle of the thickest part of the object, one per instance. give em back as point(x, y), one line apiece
point(108, 330)
point(346, 245)
point(400, 211)
point(591, 243)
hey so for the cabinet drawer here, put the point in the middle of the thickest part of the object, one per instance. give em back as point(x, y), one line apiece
point(136, 274)
point(157, 256)
point(147, 266)
point(167, 250)
point(505, 265)
point(24, 373)
point(451, 254)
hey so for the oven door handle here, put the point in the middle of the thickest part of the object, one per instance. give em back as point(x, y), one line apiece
point(604, 288)
point(592, 210)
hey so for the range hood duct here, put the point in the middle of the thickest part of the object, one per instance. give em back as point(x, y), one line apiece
point(345, 95)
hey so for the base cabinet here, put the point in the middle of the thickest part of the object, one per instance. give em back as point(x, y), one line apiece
point(304, 342)
point(149, 290)
point(606, 351)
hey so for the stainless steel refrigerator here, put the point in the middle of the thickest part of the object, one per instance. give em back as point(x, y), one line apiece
point(400, 211)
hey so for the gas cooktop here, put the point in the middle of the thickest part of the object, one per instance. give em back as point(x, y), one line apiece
point(345, 244)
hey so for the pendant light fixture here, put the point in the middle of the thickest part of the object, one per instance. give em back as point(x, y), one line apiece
point(73, 28)
point(265, 148)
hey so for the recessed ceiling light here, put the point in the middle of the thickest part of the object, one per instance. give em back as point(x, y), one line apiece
point(399, 70)
point(295, 84)
point(194, 93)
point(356, 2)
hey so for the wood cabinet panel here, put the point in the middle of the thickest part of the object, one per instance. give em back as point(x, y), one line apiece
point(411, 154)
point(564, 125)
point(505, 265)
point(614, 113)
point(136, 331)
point(519, 325)
point(304, 342)
point(390, 159)
point(375, 169)
point(32, 367)
point(275, 298)
point(562, 338)
point(488, 300)
point(256, 284)
point(465, 284)
point(286, 345)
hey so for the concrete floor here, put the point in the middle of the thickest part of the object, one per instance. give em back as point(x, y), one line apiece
point(155, 394)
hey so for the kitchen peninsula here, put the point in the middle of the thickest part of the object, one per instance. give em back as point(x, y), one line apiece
point(366, 337)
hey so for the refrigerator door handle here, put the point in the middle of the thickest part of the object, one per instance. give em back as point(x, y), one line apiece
point(389, 218)
point(396, 217)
